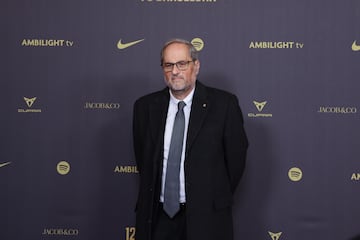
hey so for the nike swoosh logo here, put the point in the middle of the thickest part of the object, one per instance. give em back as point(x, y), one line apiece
point(121, 45)
point(355, 47)
point(4, 164)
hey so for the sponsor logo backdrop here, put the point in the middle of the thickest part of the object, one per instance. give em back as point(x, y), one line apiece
point(71, 71)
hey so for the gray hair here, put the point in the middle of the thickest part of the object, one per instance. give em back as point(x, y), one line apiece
point(194, 54)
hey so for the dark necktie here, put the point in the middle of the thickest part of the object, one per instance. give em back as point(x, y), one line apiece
point(172, 179)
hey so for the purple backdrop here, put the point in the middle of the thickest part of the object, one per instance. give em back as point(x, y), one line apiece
point(68, 84)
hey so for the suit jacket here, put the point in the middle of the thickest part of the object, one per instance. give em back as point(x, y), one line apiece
point(214, 161)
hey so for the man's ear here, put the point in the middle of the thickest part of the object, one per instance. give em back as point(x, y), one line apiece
point(197, 66)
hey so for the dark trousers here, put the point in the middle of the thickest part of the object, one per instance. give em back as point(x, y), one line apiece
point(166, 228)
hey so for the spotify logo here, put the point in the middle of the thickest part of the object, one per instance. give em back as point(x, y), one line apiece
point(295, 174)
point(198, 43)
point(63, 168)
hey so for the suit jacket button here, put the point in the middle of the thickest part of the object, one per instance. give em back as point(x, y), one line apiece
point(150, 189)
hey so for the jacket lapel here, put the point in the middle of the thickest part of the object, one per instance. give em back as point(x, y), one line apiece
point(158, 112)
point(199, 109)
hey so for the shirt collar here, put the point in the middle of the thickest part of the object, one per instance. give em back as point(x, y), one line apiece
point(187, 99)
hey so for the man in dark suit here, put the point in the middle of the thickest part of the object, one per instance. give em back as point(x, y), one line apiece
point(211, 155)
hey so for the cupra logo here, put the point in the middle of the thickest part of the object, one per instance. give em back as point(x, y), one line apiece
point(355, 47)
point(29, 101)
point(275, 236)
point(4, 164)
point(260, 105)
point(121, 45)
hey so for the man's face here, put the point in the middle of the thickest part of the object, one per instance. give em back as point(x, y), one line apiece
point(180, 82)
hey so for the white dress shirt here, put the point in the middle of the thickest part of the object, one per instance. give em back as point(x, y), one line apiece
point(172, 110)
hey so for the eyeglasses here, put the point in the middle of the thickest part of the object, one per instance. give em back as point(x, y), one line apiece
point(181, 65)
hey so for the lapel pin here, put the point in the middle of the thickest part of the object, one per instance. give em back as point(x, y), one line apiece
point(204, 105)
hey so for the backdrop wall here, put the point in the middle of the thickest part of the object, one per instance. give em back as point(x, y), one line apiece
point(69, 81)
